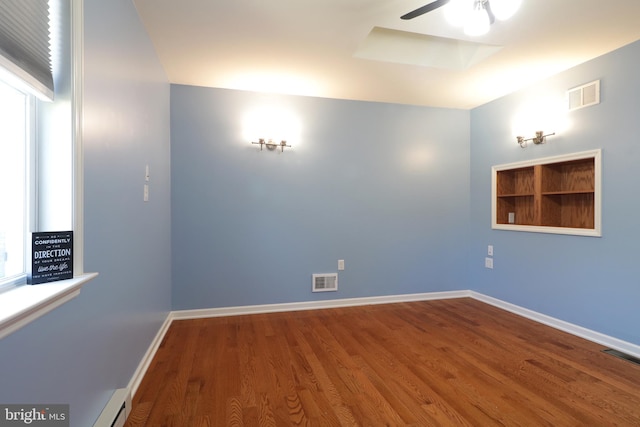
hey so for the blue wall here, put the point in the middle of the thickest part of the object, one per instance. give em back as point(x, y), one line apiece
point(402, 193)
point(79, 353)
point(384, 187)
point(592, 282)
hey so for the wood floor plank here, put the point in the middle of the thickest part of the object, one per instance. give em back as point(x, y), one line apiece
point(484, 360)
point(325, 389)
point(476, 367)
point(453, 362)
point(557, 370)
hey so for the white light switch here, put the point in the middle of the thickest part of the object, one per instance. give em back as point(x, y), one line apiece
point(490, 250)
point(146, 193)
point(340, 264)
point(146, 173)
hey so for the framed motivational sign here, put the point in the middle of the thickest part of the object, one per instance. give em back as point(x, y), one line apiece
point(51, 257)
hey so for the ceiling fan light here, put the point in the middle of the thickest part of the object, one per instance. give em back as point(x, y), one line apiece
point(505, 9)
point(478, 23)
point(456, 12)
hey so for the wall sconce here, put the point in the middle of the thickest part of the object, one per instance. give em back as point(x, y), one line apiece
point(271, 145)
point(540, 138)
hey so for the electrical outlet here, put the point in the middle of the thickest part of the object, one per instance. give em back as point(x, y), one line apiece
point(340, 264)
point(488, 262)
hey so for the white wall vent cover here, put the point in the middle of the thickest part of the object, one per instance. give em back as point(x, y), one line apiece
point(324, 282)
point(584, 96)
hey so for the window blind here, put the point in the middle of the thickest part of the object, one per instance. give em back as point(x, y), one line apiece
point(24, 44)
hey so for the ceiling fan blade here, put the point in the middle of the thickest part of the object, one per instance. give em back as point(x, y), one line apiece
point(492, 17)
point(424, 9)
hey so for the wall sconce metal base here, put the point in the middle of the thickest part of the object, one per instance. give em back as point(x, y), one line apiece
point(272, 145)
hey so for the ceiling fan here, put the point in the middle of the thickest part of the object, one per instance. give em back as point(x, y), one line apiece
point(472, 13)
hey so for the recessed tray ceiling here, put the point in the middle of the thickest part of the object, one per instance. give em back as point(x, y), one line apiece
point(402, 47)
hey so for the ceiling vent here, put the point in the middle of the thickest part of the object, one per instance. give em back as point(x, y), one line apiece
point(584, 96)
point(324, 282)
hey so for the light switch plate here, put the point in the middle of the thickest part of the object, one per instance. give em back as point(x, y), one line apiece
point(488, 262)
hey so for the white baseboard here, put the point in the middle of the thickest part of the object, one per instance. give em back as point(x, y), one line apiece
point(313, 305)
point(579, 331)
point(134, 383)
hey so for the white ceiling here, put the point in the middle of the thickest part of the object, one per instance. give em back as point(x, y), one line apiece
point(307, 47)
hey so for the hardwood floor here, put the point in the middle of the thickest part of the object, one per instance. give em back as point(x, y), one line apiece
point(453, 362)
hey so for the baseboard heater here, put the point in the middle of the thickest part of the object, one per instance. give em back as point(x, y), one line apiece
point(115, 412)
point(622, 355)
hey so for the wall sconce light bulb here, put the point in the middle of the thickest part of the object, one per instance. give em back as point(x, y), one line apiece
point(539, 138)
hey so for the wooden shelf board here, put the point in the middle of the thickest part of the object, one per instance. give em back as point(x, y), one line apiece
point(562, 193)
point(516, 195)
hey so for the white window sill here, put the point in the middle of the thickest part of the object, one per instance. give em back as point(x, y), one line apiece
point(24, 304)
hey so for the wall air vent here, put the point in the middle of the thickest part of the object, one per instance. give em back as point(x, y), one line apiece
point(584, 96)
point(622, 355)
point(324, 282)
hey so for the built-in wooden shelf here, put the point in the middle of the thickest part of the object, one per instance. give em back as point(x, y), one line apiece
point(558, 194)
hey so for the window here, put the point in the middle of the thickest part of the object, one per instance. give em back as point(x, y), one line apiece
point(25, 72)
point(57, 173)
point(15, 179)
